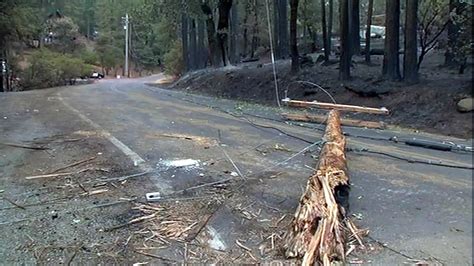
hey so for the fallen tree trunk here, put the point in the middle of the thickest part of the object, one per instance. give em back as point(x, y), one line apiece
point(340, 107)
point(316, 232)
point(323, 119)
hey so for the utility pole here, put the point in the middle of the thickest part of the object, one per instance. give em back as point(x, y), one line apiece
point(126, 20)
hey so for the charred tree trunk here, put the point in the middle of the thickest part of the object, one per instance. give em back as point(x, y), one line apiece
point(193, 54)
point(330, 21)
point(283, 28)
point(368, 31)
point(295, 62)
point(391, 61)
point(184, 39)
point(452, 36)
point(201, 47)
point(246, 28)
point(316, 232)
point(255, 38)
point(215, 53)
point(345, 60)
point(234, 33)
point(324, 30)
point(224, 7)
point(276, 28)
point(410, 64)
point(355, 26)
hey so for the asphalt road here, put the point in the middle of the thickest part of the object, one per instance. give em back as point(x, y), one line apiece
point(416, 211)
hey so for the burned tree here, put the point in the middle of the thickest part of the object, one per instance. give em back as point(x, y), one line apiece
point(354, 26)
point(217, 40)
point(391, 61)
point(184, 40)
point(283, 28)
point(295, 64)
point(368, 31)
point(345, 58)
point(324, 30)
point(410, 66)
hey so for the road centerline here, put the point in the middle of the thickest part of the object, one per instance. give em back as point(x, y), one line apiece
point(137, 159)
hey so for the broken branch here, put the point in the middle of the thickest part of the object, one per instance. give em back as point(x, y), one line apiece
point(73, 164)
point(340, 107)
point(16, 145)
point(133, 221)
point(55, 175)
point(322, 119)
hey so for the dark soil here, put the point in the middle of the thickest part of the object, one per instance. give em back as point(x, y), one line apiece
point(429, 105)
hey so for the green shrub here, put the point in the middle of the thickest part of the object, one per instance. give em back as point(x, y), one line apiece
point(89, 57)
point(173, 60)
point(48, 69)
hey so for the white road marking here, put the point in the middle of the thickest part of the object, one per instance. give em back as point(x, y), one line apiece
point(137, 160)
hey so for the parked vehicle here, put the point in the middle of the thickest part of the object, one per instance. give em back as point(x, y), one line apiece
point(97, 75)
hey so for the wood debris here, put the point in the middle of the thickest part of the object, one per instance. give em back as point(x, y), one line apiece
point(333, 106)
point(316, 233)
point(23, 146)
point(73, 164)
point(312, 118)
point(55, 175)
point(168, 223)
point(203, 141)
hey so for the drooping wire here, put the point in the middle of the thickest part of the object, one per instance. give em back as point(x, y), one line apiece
point(273, 55)
point(312, 84)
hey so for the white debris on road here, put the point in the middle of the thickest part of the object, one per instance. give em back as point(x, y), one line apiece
point(187, 164)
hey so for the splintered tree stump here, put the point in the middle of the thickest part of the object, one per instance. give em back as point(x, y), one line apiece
point(316, 232)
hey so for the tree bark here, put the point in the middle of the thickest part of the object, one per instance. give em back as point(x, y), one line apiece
point(330, 22)
point(193, 52)
point(324, 30)
point(246, 28)
point(295, 64)
point(224, 7)
point(184, 39)
point(391, 60)
point(410, 66)
point(345, 60)
point(276, 28)
point(355, 26)
point(201, 47)
point(234, 34)
point(316, 232)
point(368, 30)
point(283, 28)
point(453, 29)
point(323, 119)
point(215, 53)
point(255, 38)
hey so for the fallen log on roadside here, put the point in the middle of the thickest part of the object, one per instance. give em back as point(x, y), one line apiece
point(317, 230)
point(333, 106)
point(344, 121)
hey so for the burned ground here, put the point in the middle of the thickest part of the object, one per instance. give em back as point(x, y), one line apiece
point(429, 105)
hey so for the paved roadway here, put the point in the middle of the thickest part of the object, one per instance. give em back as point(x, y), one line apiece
point(418, 211)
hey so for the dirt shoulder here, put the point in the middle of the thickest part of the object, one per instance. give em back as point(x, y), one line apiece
point(429, 105)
